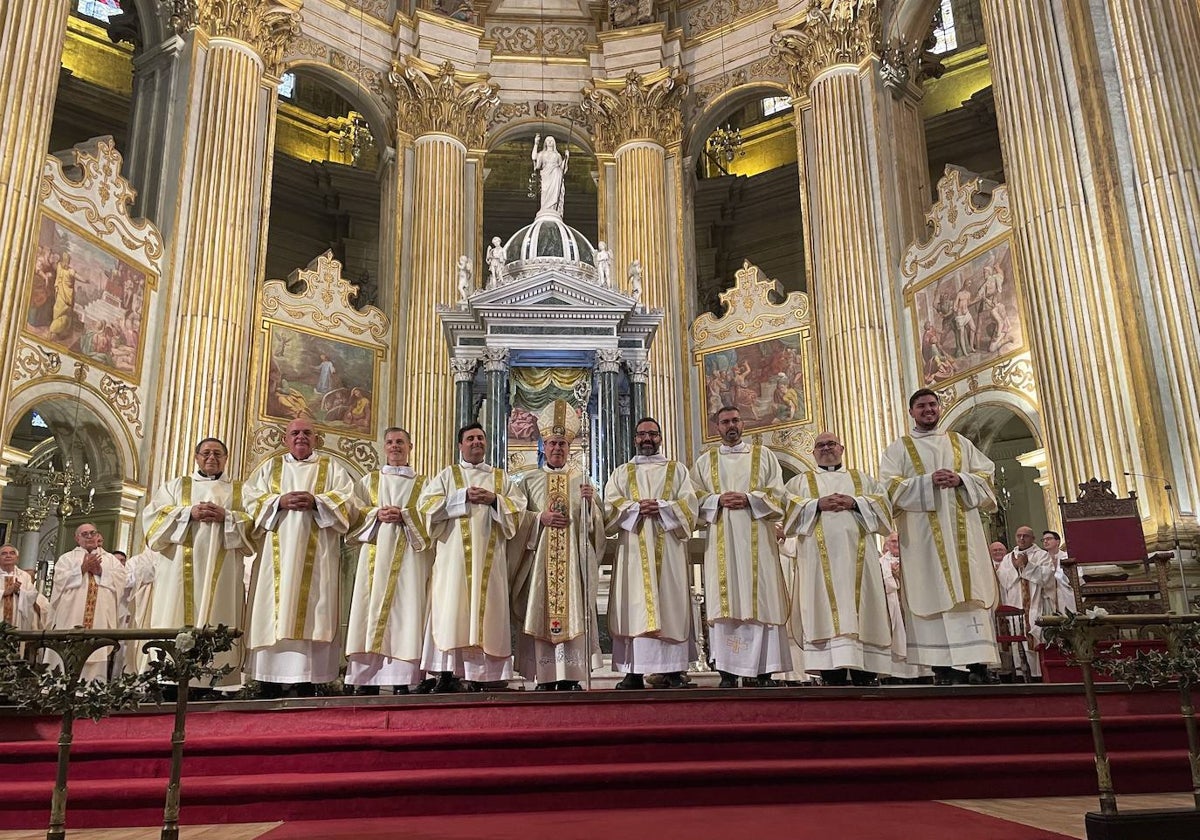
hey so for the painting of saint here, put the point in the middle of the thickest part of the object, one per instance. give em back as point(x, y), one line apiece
point(86, 301)
point(968, 317)
point(765, 380)
point(320, 378)
point(522, 425)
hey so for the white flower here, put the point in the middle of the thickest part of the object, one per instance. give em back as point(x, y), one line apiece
point(184, 642)
point(1096, 612)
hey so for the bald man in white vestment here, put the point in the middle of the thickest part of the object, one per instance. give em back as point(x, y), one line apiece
point(1026, 578)
point(650, 505)
point(88, 584)
point(197, 534)
point(740, 490)
point(21, 605)
point(837, 512)
point(471, 511)
point(939, 484)
point(555, 589)
point(389, 607)
point(302, 503)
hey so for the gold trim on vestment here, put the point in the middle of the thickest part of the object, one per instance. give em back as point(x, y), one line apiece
point(648, 590)
point(960, 522)
point(189, 568)
point(823, 552)
point(275, 489)
point(714, 470)
point(935, 524)
point(755, 461)
point(558, 559)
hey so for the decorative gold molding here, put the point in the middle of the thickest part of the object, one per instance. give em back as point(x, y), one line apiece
point(750, 310)
point(638, 108)
point(833, 32)
point(265, 25)
point(124, 398)
point(34, 362)
point(266, 438)
point(441, 99)
point(541, 40)
point(360, 452)
point(715, 14)
point(509, 111)
point(323, 302)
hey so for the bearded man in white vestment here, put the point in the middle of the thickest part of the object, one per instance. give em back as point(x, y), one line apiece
point(389, 607)
point(939, 485)
point(650, 505)
point(836, 513)
point(197, 526)
point(740, 490)
point(471, 511)
point(301, 503)
point(1026, 578)
point(555, 589)
point(21, 605)
point(88, 584)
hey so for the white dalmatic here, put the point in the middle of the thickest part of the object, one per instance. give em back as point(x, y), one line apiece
point(196, 566)
point(744, 590)
point(650, 601)
point(469, 589)
point(81, 599)
point(293, 602)
point(839, 586)
point(389, 607)
point(949, 585)
point(555, 585)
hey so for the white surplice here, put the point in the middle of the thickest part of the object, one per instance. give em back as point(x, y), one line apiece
point(788, 558)
point(650, 600)
point(949, 586)
point(891, 584)
point(81, 599)
point(389, 607)
point(293, 603)
point(25, 609)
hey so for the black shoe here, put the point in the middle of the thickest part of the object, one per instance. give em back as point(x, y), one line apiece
point(675, 680)
point(399, 689)
point(943, 675)
point(631, 682)
point(305, 689)
point(547, 687)
point(367, 691)
point(447, 683)
point(863, 679)
point(728, 680)
point(568, 685)
point(764, 681)
point(837, 676)
point(425, 686)
point(270, 690)
point(170, 693)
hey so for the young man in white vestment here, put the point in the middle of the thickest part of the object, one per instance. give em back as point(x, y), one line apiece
point(471, 511)
point(740, 490)
point(88, 583)
point(1063, 594)
point(1026, 577)
point(198, 535)
point(939, 484)
point(650, 505)
point(836, 513)
point(301, 503)
point(21, 605)
point(555, 584)
point(389, 607)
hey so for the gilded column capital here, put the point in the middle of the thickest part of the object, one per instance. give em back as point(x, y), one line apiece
point(266, 25)
point(641, 107)
point(833, 32)
point(495, 359)
point(440, 98)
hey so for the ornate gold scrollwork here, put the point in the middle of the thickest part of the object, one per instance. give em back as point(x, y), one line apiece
point(430, 99)
point(263, 24)
point(640, 108)
point(834, 32)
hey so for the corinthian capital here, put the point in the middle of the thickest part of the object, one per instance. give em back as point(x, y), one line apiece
point(440, 98)
point(638, 108)
point(834, 32)
point(266, 25)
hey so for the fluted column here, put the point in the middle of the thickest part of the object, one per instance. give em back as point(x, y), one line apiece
point(639, 373)
point(1158, 66)
point(495, 365)
point(31, 42)
point(1098, 397)
point(464, 400)
point(608, 365)
point(235, 57)
point(446, 112)
point(638, 121)
point(852, 215)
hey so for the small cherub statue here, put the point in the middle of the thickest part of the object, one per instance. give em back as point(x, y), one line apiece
point(464, 280)
point(635, 283)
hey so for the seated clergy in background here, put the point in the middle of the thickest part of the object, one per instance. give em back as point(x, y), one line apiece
point(21, 605)
point(1062, 597)
point(835, 511)
point(740, 490)
point(1026, 576)
point(301, 504)
point(650, 505)
point(88, 583)
point(389, 607)
point(557, 580)
point(197, 534)
point(471, 511)
point(939, 484)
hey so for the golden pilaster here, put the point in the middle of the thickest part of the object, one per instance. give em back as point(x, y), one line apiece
point(447, 112)
point(835, 77)
point(236, 50)
point(1098, 394)
point(31, 41)
point(1158, 67)
point(639, 122)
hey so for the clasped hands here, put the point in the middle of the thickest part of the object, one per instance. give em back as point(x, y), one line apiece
point(298, 500)
point(733, 501)
point(946, 479)
point(13, 584)
point(391, 514)
point(835, 503)
point(91, 564)
point(480, 496)
point(207, 512)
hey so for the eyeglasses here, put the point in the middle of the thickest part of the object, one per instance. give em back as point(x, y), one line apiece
point(89, 533)
point(649, 434)
point(829, 444)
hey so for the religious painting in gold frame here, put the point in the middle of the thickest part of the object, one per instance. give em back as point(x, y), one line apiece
point(87, 300)
point(328, 380)
point(767, 380)
point(967, 317)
